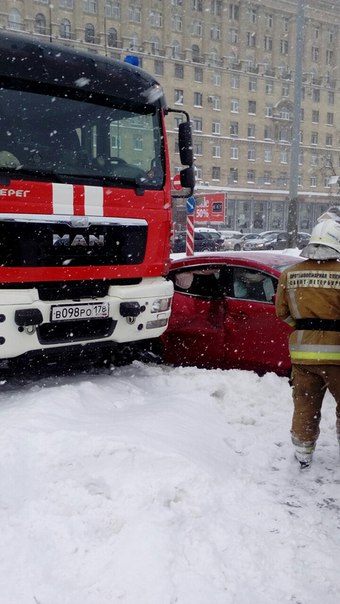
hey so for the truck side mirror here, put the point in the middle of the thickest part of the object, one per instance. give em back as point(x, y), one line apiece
point(185, 144)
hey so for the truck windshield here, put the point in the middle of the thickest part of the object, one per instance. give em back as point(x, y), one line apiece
point(44, 137)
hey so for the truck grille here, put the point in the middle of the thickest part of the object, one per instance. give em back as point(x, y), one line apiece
point(36, 244)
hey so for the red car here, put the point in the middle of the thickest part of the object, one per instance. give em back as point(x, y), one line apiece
point(223, 312)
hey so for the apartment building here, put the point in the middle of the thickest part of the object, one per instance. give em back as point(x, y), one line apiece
point(231, 65)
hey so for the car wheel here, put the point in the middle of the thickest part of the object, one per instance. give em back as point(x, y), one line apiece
point(237, 247)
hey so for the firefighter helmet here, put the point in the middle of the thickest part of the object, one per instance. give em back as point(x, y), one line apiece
point(324, 243)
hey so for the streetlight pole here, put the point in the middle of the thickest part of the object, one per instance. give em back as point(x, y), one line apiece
point(50, 6)
point(295, 147)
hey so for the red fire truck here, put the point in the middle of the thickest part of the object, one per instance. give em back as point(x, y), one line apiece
point(85, 203)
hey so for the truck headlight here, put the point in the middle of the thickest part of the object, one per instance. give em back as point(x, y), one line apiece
point(161, 305)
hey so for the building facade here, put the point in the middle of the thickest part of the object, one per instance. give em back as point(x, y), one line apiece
point(231, 65)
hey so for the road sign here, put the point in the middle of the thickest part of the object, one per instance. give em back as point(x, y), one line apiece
point(190, 205)
point(176, 181)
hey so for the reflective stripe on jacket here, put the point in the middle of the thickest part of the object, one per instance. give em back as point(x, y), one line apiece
point(311, 290)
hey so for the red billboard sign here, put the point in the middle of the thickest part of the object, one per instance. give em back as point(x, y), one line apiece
point(210, 207)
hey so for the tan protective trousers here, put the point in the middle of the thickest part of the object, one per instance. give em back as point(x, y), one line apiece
point(310, 383)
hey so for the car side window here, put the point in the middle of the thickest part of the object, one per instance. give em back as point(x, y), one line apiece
point(249, 284)
point(204, 283)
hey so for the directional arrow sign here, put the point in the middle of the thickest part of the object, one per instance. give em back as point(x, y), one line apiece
point(190, 205)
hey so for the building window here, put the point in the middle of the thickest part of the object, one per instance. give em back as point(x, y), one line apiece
point(331, 98)
point(197, 5)
point(251, 176)
point(179, 71)
point(314, 139)
point(233, 152)
point(176, 23)
point(234, 81)
point(112, 9)
point(156, 19)
point(234, 12)
point(315, 116)
point(216, 173)
point(251, 153)
point(268, 133)
point(15, 20)
point(66, 4)
point(89, 33)
point(198, 124)
point(268, 154)
point(65, 29)
point(138, 143)
point(285, 90)
point(252, 107)
point(315, 53)
point(316, 95)
point(251, 130)
point(284, 134)
point(215, 33)
point(40, 24)
point(216, 103)
point(251, 39)
point(284, 47)
point(233, 174)
point(269, 86)
point(268, 111)
point(198, 99)
point(198, 74)
point(329, 140)
point(252, 15)
point(216, 78)
point(233, 36)
point(216, 128)
point(313, 181)
point(267, 177)
point(135, 14)
point(330, 119)
point(198, 148)
point(158, 67)
point(197, 28)
point(284, 156)
point(233, 128)
point(252, 84)
point(112, 38)
point(285, 24)
point(269, 20)
point(268, 43)
point(216, 151)
point(329, 57)
point(178, 96)
point(216, 7)
point(234, 105)
point(90, 6)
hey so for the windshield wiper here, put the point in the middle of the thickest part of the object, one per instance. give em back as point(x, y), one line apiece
point(18, 173)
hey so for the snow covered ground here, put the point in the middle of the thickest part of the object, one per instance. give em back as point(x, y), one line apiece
point(157, 485)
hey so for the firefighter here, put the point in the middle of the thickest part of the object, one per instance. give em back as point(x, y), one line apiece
point(308, 299)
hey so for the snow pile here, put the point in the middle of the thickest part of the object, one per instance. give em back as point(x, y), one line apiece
point(155, 485)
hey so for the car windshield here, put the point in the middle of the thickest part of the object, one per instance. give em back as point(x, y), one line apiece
point(44, 137)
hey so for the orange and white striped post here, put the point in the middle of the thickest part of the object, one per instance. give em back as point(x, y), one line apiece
point(190, 235)
point(190, 243)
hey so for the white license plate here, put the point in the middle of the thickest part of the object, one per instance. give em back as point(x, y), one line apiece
point(73, 312)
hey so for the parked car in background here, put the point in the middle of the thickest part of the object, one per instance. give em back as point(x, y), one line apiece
point(211, 234)
point(230, 239)
point(223, 312)
point(239, 244)
point(203, 242)
point(278, 241)
point(261, 241)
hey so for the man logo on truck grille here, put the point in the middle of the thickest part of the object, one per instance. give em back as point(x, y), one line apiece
point(78, 240)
